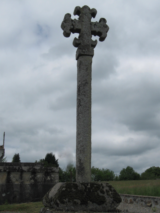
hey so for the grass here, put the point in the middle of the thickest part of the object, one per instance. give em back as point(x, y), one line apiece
point(33, 207)
point(138, 187)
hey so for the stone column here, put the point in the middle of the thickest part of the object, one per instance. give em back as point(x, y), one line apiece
point(83, 132)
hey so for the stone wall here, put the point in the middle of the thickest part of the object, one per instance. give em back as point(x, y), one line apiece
point(145, 201)
point(26, 182)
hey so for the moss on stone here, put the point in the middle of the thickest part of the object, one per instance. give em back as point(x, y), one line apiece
point(80, 194)
point(89, 194)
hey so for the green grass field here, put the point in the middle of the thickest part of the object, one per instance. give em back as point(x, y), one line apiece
point(138, 187)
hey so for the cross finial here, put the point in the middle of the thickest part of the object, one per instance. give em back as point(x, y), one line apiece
point(86, 29)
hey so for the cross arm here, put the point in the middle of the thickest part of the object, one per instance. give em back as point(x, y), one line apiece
point(100, 28)
point(70, 26)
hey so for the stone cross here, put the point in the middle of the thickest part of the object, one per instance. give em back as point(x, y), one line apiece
point(84, 55)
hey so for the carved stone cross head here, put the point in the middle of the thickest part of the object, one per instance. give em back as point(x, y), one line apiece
point(86, 29)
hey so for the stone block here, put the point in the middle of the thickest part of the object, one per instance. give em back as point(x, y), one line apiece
point(91, 196)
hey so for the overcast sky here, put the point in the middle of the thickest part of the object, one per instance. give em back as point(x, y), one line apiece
point(38, 83)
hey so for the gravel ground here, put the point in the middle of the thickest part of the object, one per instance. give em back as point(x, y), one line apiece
point(135, 208)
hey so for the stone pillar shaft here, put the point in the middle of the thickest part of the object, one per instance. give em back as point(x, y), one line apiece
point(83, 132)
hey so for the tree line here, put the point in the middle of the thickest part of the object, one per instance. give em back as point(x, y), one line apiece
point(97, 174)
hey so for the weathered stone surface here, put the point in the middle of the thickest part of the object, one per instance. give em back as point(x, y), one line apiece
point(83, 129)
point(93, 196)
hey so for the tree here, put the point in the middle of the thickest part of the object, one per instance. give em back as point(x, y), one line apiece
point(49, 161)
point(101, 174)
point(96, 174)
point(92, 177)
point(137, 176)
point(107, 175)
point(16, 158)
point(40, 161)
point(65, 176)
point(61, 175)
point(128, 174)
point(116, 178)
point(71, 172)
point(151, 173)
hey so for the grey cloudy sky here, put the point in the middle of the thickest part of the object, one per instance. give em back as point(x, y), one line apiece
point(38, 79)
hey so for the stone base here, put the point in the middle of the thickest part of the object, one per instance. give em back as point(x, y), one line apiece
point(92, 196)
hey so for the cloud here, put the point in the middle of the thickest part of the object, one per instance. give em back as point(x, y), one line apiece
point(38, 84)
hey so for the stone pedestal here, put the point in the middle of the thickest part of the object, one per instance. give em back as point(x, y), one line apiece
point(92, 196)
